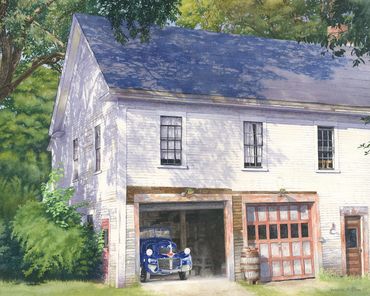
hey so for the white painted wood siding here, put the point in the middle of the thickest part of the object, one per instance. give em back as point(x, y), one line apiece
point(214, 157)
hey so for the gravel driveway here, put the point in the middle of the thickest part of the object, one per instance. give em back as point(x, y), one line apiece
point(194, 286)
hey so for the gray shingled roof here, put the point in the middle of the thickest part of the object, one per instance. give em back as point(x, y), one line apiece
point(203, 63)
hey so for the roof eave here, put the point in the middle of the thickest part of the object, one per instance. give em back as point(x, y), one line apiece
point(171, 97)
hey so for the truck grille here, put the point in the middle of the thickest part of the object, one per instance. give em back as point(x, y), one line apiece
point(168, 263)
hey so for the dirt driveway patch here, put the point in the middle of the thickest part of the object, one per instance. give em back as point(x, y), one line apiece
point(195, 286)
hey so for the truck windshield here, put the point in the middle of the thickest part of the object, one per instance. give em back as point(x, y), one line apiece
point(166, 250)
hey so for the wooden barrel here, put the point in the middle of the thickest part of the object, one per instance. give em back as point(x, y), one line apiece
point(250, 264)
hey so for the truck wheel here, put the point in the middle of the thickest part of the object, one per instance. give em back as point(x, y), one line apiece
point(184, 275)
point(144, 275)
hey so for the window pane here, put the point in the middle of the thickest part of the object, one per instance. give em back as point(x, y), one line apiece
point(178, 133)
point(273, 231)
point(297, 267)
point(351, 238)
point(97, 137)
point(251, 232)
point(276, 268)
point(283, 230)
point(164, 131)
point(306, 248)
point(171, 154)
point(285, 249)
point(294, 230)
point(262, 213)
point(296, 248)
point(262, 232)
point(250, 214)
point(307, 266)
point(171, 132)
point(287, 268)
point(275, 249)
point(294, 212)
point(264, 251)
point(304, 212)
point(304, 229)
point(272, 214)
point(284, 213)
point(97, 162)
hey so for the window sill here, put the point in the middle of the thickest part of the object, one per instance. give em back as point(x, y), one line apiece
point(328, 171)
point(180, 167)
point(255, 169)
point(97, 172)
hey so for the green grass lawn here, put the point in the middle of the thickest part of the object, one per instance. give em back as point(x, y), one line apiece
point(325, 286)
point(68, 288)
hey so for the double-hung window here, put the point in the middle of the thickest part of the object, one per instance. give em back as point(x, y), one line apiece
point(253, 144)
point(75, 159)
point(171, 140)
point(97, 148)
point(325, 144)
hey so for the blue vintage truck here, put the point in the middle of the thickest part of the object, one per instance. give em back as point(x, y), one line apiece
point(159, 255)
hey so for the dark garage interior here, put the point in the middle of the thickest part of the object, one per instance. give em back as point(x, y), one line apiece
point(201, 230)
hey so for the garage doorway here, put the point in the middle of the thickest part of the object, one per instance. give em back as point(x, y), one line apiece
point(194, 226)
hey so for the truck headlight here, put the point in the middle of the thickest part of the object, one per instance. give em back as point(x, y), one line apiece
point(187, 251)
point(149, 252)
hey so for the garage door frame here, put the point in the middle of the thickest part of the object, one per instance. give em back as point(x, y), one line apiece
point(285, 198)
point(158, 198)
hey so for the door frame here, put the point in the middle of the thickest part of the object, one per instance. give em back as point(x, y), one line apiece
point(362, 212)
point(183, 200)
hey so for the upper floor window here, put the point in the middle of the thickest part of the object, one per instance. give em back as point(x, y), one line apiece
point(253, 144)
point(171, 140)
point(325, 144)
point(97, 148)
point(75, 159)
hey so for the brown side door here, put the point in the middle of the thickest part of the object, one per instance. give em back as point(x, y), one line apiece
point(353, 245)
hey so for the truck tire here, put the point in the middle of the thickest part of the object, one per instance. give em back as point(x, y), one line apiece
point(144, 275)
point(184, 275)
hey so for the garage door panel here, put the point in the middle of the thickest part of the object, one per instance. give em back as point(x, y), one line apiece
point(283, 235)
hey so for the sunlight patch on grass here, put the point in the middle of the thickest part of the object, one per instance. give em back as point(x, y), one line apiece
point(68, 288)
point(261, 290)
point(327, 285)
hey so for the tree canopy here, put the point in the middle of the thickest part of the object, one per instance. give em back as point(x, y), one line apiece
point(24, 123)
point(354, 15)
point(301, 20)
point(279, 19)
point(34, 32)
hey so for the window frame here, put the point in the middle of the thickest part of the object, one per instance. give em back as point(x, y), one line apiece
point(264, 164)
point(184, 144)
point(336, 160)
point(167, 140)
point(321, 150)
point(97, 149)
point(255, 146)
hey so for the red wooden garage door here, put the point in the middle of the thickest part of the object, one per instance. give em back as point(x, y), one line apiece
point(283, 235)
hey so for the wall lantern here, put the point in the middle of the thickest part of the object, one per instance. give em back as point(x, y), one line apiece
point(333, 229)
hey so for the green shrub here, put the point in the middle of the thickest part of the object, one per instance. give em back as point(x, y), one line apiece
point(54, 242)
point(10, 254)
